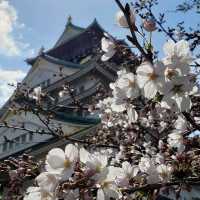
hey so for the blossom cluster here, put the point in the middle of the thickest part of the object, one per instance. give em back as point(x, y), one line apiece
point(78, 174)
point(171, 79)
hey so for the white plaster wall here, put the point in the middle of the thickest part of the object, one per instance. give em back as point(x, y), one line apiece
point(86, 81)
point(44, 70)
point(32, 123)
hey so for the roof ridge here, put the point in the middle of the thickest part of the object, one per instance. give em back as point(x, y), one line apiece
point(95, 22)
point(68, 26)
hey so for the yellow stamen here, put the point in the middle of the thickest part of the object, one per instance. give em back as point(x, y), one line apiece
point(152, 76)
point(131, 84)
point(170, 73)
point(67, 163)
point(98, 169)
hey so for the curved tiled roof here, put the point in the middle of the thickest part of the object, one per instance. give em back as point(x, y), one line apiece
point(60, 62)
point(83, 42)
point(70, 31)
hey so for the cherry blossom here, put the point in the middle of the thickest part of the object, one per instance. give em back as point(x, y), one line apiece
point(107, 187)
point(164, 172)
point(37, 194)
point(128, 83)
point(150, 78)
point(36, 94)
point(176, 94)
point(178, 56)
point(108, 46)
point(149, 25)
point(47, 182)
point(96, 164)
point(126, 173)
point(60, 162)
point(121, 19)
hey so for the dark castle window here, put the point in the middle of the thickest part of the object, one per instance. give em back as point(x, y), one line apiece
point(23, 138)
point(17, 142)
point(11, 145)
point(81, 89)
point(30, 137)
point(5, 146)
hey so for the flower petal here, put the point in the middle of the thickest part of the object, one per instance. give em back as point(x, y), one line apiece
point(55, 158)
point(71, 152)
point(108, 55)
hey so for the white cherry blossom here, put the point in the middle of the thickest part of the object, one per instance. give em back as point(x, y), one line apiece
point(178, 56)
point(132, 114)
point(47, 182)
point(164, 172)
point(175, 140)
point(108, 46)
point(150, 78)
point(119, 99)
point(60, 162)
point(126, 173)
point(36, 94)
point(176, 94)
point(96, 164)
point(121, 19)
point(148, 166)
point(37, 194)
point(107, 186)
point(71, 194)
point(128, 83)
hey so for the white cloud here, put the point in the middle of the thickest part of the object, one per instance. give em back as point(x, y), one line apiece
point(6, 77)
point(8, 21)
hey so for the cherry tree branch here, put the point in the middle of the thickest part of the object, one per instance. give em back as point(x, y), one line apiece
point(132, 28)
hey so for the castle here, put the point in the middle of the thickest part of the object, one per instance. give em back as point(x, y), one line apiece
point(77, 53)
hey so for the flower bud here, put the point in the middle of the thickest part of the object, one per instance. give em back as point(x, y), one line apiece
point(149, 25)
point(121, 19)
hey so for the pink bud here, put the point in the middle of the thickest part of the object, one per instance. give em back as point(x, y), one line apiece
point(149, 25)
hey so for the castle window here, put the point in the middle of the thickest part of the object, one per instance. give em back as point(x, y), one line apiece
point(30, 137)
point(43, 84)
point(5, 146)
point(10, 145)
point(81, 89)
point(48, 82)
point(23, 139)
point(17, 142)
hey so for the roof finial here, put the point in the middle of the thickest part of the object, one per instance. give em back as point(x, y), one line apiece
point(69, 19)
point(41, 51)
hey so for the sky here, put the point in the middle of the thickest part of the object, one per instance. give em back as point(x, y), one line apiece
point(26, 25)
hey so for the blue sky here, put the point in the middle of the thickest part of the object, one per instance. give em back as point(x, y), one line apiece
point(26, 25)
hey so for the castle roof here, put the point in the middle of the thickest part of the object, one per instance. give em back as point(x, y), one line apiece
point(70, 31)
point(60, 62)
point(75, 42)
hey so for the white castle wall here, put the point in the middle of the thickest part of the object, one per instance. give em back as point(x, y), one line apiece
point(44, 71)
point(23, 139)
